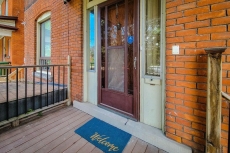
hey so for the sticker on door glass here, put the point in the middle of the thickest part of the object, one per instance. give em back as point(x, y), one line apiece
point(130, 39)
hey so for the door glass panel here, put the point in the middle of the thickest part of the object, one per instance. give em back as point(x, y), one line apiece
point(152, 37)
point(116, 24)
point(130, 46)
point(116, 69)
point(103, 47)
point(91, 40)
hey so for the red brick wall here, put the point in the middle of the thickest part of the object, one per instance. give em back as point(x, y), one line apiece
point(194, 25)
point(16, 8)
point(66, 37)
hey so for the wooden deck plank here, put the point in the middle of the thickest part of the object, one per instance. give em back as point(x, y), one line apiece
point(151, 149)
point(48, 147)
point(68, 130)
point(49, 131)
point(34, 137)
point(13, 132)
point(130, 145)
point(76, 146)
point(37, 129)
point(86, 148)
point(55, 133)
point(140, 147)
point(96, 150)
point(66, 144)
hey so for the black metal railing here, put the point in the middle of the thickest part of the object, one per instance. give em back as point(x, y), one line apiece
point(3, 71)
point(45, 88)
point(44, 61)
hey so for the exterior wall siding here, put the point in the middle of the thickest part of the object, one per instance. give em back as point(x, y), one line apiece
point(66, 37)
point(194, 25)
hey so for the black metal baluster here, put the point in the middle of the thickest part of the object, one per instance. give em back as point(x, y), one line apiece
point(58, 83)
point(63, 82)
point(25, 89)
point(53, 84)
point(7, 94)
point(47, 90)
point(40, 87)
point(17, 92)
point(34, 68)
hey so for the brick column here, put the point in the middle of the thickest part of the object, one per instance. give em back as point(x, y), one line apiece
point(213, 112)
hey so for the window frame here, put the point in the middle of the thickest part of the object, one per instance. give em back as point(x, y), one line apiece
point(162, 39)
point(44, 17)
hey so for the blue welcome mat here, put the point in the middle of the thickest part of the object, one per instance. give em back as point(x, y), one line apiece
point(104, 136)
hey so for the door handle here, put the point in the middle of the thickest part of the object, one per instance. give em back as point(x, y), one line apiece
point(135, 63)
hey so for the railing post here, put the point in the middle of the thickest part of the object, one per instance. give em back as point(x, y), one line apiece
point(213, 112)
point(69, 80)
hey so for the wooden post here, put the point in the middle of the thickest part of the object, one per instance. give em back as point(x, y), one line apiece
point(69, 80)
point(214, 88)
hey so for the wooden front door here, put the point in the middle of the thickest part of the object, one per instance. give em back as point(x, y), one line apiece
point(118, 56)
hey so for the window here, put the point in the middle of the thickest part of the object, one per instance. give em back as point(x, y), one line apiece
point(91, 48)
point(152, 37)
point(44, 39)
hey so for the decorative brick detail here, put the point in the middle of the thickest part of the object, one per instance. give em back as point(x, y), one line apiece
point(203, 24)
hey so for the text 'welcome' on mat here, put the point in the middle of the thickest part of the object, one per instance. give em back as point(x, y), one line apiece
point(104, 136)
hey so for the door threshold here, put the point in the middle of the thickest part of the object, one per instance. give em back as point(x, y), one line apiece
point(142, 131)
point(117, 112)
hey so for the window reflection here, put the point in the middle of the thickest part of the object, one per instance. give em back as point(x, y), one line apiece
point(91, 40)
point(152, 37)
point(46, 39)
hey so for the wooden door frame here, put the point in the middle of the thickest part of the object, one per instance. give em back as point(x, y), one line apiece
point(136, 50)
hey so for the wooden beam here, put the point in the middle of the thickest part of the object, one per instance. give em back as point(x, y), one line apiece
point(214, 100)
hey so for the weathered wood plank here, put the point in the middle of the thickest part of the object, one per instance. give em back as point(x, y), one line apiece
point(31, 139)
point(68, 129)
point(140, 147)
point(130, 145)
point(13, 132)
point(32, 130)
point(55, 143)
point(76, 146)
point(151, 149)
point(96, 150)
point(66, 144)
point(86, 148)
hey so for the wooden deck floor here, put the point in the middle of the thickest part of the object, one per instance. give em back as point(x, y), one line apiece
point(54, 133)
